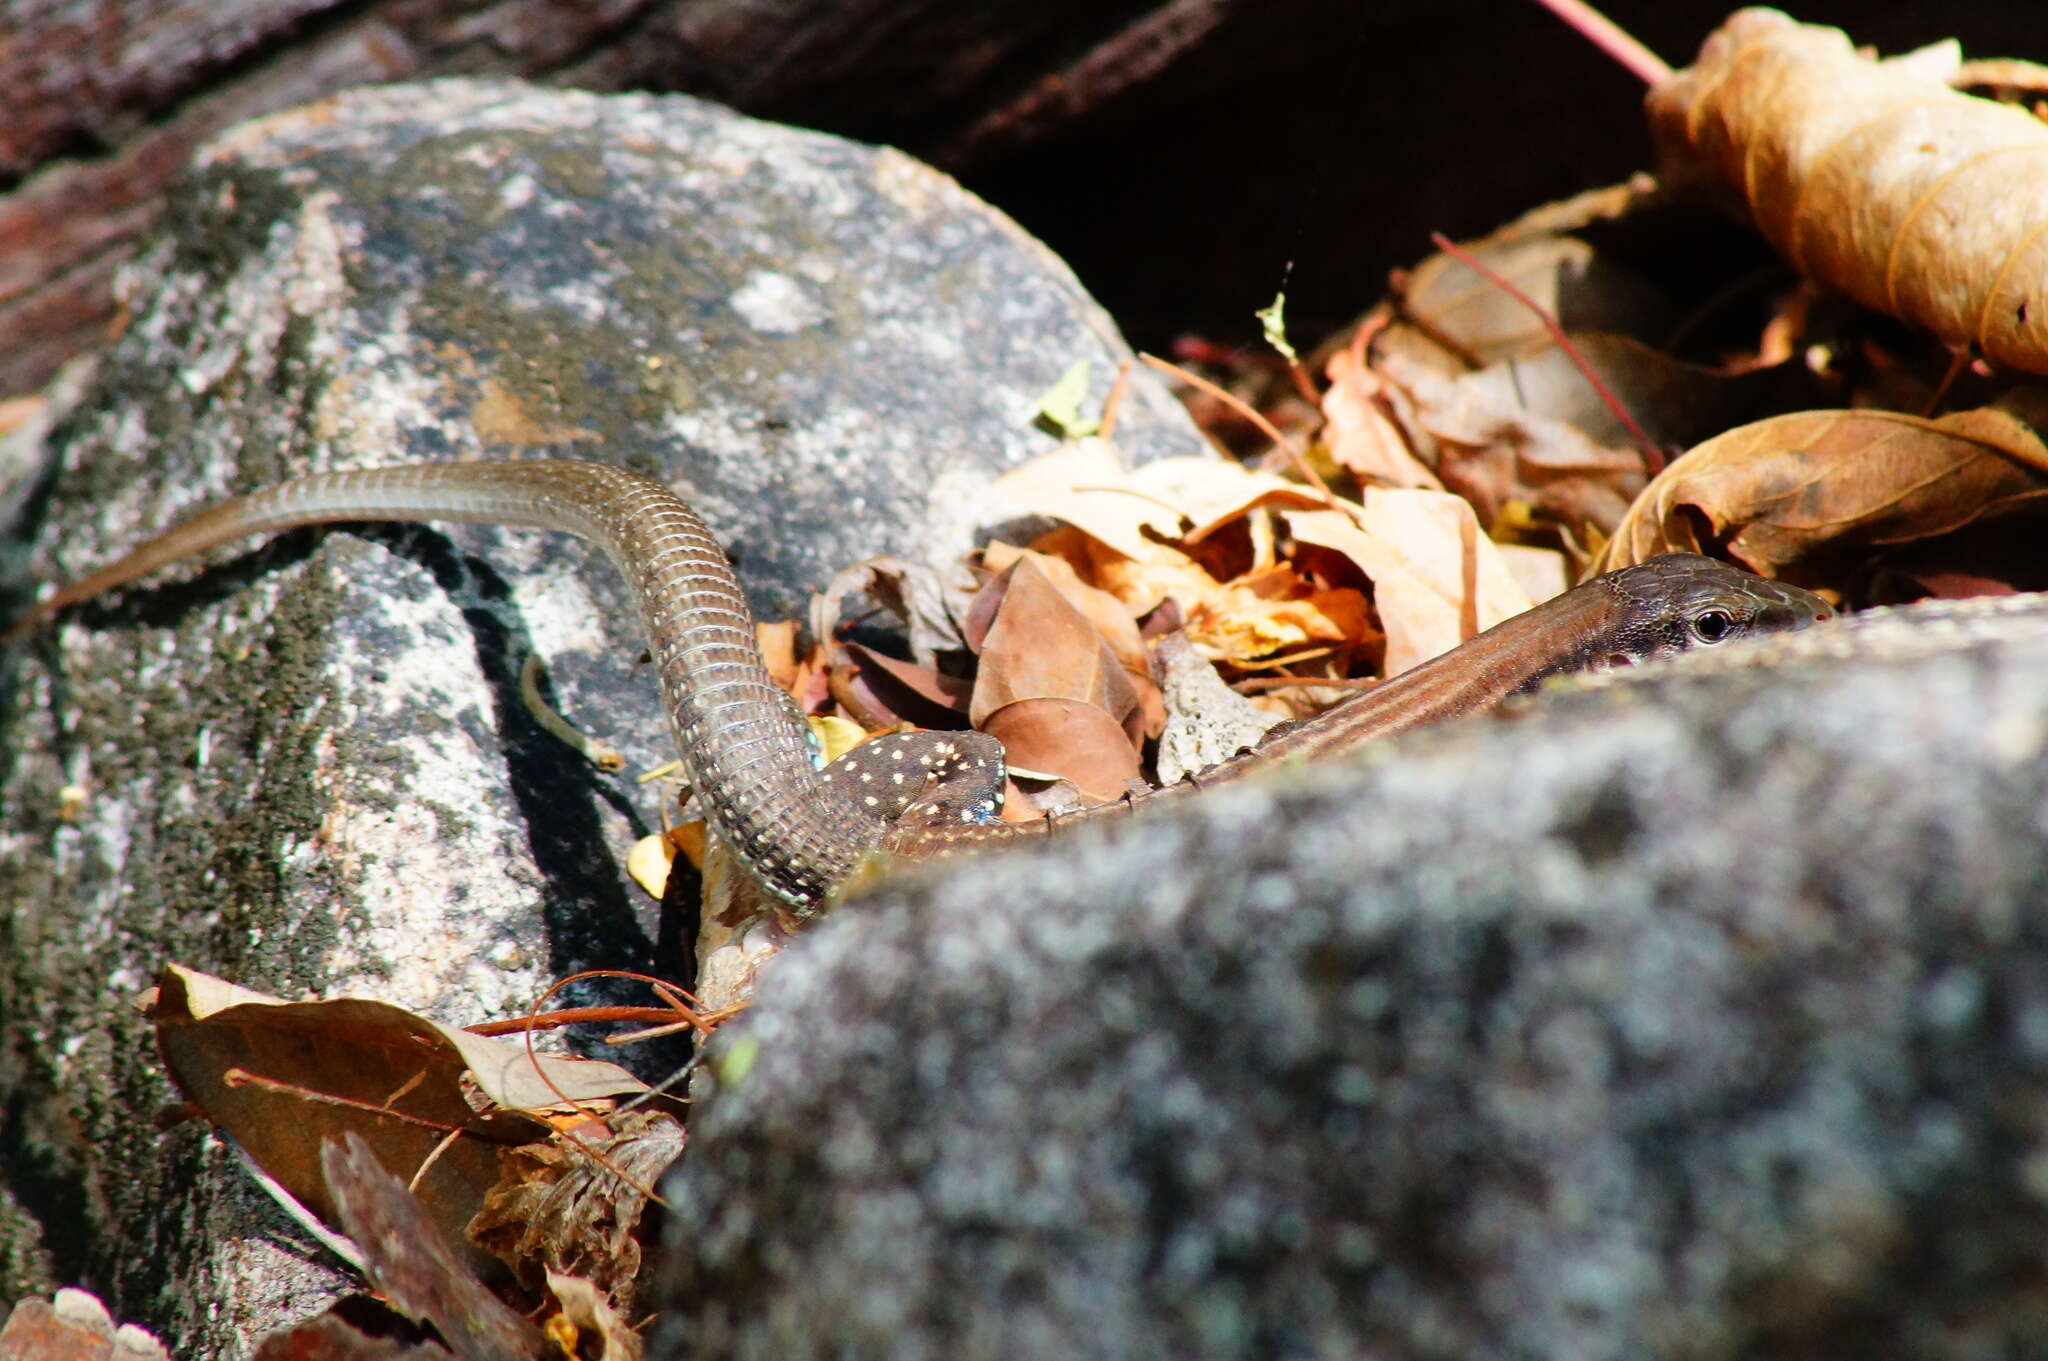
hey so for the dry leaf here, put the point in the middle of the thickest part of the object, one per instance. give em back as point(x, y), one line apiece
point(1873, 177)
point(778, 651)
point(413, 1266)
point(1778, 495)
point(1039, 646)
point(1540, 572)
point(1677, 403)
point(1070, 738)
point(1084, 483)
point(1181, 499)
point(1142, 584)
point(1275, 612)
point(1360, 437)
point(648, 863)
point(1492, 451)
point(585, 1325)
point(1111, 617)
point(910, 590)
point(279, 1077)
point(884, 691)
point(1436, 579)
point(1212, 493)
point(560, 1210)
point(1050, 689)
point(1481, 323)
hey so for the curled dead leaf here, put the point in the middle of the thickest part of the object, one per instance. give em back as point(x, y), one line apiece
point(1361, 437)
point(1071, 738)
point(1784, 495)
point(1872, 177)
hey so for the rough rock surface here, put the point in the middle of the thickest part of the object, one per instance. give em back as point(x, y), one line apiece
point(309, 769)
point(1700, 1015)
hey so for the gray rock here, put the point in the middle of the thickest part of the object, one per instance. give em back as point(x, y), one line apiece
point(1697, 1013)
point(309, 769)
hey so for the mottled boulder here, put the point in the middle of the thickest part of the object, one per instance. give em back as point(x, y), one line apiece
point(309, 769)
point(1703, 1014)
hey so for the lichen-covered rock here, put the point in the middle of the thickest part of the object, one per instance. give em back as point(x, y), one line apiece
point(310, 768)
point(1698, 1015)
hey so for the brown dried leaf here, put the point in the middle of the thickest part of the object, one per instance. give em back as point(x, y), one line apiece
point(1780, 494)
point(561, 1209)
point(1068, 737)
point(585, 1325)
point(1142, 584)
point(885, 691)
point(1675, 402)
point(1362, 438)
point(778, 650)
point(1041, 647)
point(1181, 499)
point(1540, 572)
point(1212, 493)
point(1873, 177)
point(413, 1266)
point(1436, 579)
point(1110, 616)
point(1084, 483)
point(1275, 611)
point(1492, 451)
point(279, 1077)
point(1482, 323)
point(910, 590)
point(1453, 319)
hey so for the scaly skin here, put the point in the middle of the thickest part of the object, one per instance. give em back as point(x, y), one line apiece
point(803, 833)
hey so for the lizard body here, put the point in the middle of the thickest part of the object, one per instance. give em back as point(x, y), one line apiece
point(803, 833)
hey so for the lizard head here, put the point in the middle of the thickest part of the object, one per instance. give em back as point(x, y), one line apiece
point(1680, 601)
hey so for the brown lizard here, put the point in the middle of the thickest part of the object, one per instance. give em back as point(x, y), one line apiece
point(803, 832)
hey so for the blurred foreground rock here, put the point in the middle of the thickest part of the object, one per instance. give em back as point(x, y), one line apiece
point(310, 769)
point(1696, 1015)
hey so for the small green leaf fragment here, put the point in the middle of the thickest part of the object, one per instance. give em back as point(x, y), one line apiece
point(1060, 407)
point(735, 1061)
point(1273, 321)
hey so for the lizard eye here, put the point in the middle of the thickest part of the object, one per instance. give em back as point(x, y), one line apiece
point(1711, 626)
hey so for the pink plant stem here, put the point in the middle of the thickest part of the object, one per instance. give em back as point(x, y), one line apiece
point(1610, 38)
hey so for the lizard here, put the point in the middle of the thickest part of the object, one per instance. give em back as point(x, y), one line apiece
point(804, 833)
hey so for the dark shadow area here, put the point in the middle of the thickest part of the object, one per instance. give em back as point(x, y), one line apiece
point(1315, 147)
point(591, 920)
